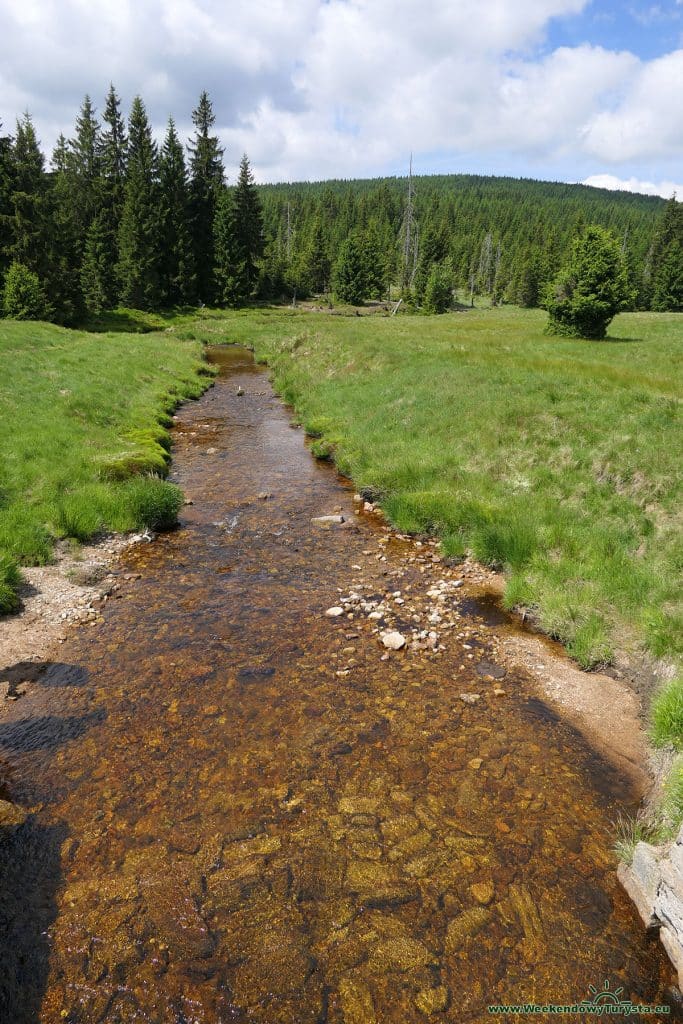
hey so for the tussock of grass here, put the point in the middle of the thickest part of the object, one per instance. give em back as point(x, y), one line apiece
point(667, 715)
point(661, 825)
point(83, 431)
point(153, 503)
point(10, 580)
point(628, 832)
point(556, 459)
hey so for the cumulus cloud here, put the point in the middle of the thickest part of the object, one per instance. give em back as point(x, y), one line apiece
point(647, 119)
point(665, 189)
point(316, 89)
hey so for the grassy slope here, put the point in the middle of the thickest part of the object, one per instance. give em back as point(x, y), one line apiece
point(559, 459)
point(81, 425)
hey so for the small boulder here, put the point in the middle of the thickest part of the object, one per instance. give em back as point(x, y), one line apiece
point(333, 520)
point(393, 640)
point(335, 612)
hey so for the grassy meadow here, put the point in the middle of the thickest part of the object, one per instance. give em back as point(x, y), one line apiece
point(83, 439)
point(558, 460)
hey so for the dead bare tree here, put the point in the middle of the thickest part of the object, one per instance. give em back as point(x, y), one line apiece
point(410, 235)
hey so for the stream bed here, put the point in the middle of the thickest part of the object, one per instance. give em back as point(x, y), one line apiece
point(246, 810)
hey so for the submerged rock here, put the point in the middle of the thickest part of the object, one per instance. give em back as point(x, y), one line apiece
point(432, 1000)
point(465, 926)
point(11, 817)
point(278, 962)
point(483, 892)
point(393, 640)
point(400, 954)
point(356, 1001)
point(377, 885)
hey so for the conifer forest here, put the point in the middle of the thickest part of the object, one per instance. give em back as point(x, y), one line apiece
point(114, 218)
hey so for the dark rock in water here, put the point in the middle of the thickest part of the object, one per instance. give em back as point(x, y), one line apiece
point(252, 675)
point(489, 668)
point(319, 875)
point(341, 748)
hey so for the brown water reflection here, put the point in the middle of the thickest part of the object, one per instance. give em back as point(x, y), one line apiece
point(244, 814)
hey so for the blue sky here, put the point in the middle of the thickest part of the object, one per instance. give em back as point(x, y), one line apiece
point(646, 29)
point(568, 90)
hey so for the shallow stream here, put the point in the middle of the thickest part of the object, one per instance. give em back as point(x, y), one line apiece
point(245, 810)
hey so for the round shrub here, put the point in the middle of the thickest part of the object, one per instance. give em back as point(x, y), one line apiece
point(23, 297)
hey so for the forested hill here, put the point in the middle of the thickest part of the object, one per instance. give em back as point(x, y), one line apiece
point(115, 218)
point(505, 233)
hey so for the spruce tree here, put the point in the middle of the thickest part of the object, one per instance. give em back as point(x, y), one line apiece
point(178, 282)
point(349, 272)
point(248, 225)
point(83, 168)
point(591, 288)
point(667, 260)
point(23, 296)
point(65, 239)
point(97, 273)
point(317, 261)
point(230, 275)
point(138, 266)
point(376, 274)
point(112, 155)
point(238, 241)
point(206, 185)
point(6, 190)
point(28, 218)
point(438, 292)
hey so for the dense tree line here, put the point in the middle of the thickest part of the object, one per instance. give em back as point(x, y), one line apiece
point(118, 219)
point(503, 238)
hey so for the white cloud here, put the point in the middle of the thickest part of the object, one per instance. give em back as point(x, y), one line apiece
point(314, 89)
point(665, 189)
point(647, 119)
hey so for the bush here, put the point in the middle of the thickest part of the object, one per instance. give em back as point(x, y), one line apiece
point(590, 289)
point(438, 290)
point(23, 297)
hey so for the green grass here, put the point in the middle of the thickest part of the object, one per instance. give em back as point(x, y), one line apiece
point(628, 832)
point(83, 438)
point(667, 715)
point(555, 459)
